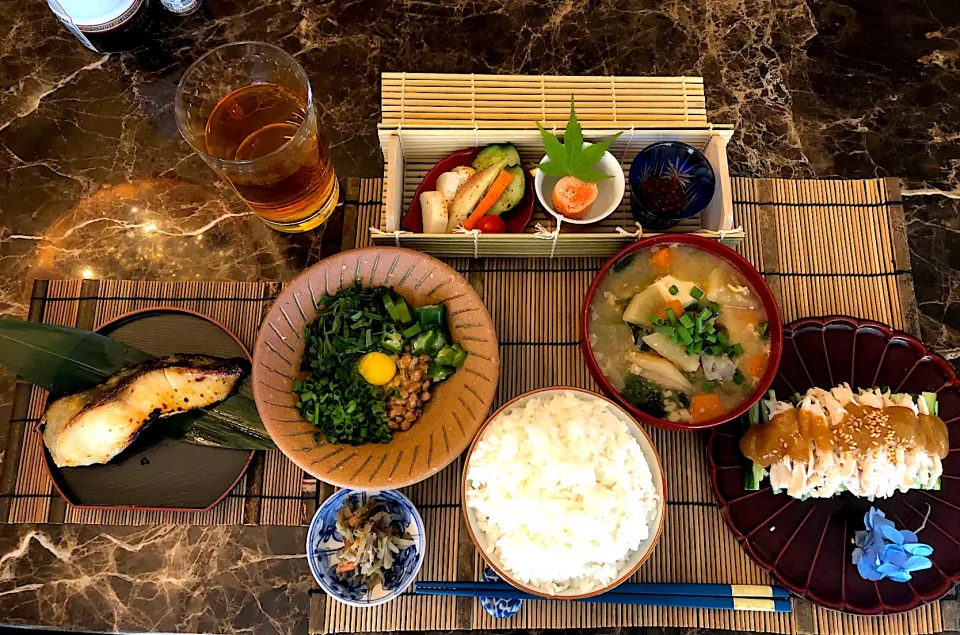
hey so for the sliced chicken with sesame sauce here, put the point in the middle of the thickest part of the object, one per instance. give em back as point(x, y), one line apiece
point(872, 443)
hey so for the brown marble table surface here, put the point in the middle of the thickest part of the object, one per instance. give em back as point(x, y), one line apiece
point(96, 182)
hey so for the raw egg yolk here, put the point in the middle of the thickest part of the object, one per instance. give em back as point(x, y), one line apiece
point(377, 368)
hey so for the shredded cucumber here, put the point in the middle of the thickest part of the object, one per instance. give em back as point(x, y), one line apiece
point(931, 399)
point(754, 474)
point(753, 477)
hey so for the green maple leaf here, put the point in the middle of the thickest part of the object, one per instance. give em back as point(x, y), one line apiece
point(570, 157)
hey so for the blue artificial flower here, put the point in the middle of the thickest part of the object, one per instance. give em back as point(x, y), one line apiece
point(883, 551)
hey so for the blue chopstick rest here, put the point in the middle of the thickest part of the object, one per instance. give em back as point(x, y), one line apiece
point(501, 608)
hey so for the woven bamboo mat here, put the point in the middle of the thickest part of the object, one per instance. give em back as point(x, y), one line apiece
point(824, 247)
point(273, 491)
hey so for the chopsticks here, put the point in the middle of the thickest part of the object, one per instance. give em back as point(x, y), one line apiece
point(699, 596)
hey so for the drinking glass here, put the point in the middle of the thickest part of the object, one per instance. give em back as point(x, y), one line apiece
point(247, 109)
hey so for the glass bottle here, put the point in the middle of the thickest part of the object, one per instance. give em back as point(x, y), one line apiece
point(181, 7)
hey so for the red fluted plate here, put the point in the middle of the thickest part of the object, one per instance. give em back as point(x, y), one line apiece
point(807, 545)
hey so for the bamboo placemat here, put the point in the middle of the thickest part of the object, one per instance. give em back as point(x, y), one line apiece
point(273, 491)
point(823, 247)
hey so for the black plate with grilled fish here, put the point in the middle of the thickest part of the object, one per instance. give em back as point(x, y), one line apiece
point(156, 472)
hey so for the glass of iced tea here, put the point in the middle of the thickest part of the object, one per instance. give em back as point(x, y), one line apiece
point(247, 109)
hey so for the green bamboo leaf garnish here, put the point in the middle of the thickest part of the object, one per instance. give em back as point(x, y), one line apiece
point(234, 423)
point(65, 360)
point(60, 359)
point(571, 157)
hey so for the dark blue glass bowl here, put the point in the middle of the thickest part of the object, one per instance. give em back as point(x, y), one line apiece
point(676, 160)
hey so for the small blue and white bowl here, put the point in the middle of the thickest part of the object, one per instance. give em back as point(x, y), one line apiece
point(323, 542)
point(679, 161)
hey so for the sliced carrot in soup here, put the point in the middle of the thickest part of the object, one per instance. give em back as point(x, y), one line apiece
point(756, 364)
point(737, 318)
point(672, 304)
point(662, 258)
point(705, 407)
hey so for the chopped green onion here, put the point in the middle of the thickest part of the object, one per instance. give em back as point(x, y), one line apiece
point(706, 314)
point(714, 350)
point(714, 307)
point(397, 309)
point(671, 316)
point(696, 293)
point(657, 321)
point(413, 330)
point(710, 337)
point(686, 321)
point(738, 377)
point(684, 336)
point(721, 338)
point(709, 328)
point(666, 330)
point(764, 330)
point(699, 325)
point(673, 289)
point(736, 351)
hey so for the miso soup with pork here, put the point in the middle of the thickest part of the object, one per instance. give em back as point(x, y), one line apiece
point(679, 333)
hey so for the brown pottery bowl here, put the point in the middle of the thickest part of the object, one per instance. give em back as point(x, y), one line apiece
point(632, 562)
point(450, 419)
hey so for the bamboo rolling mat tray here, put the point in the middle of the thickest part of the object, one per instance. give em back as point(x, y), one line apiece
point(798, 233)
point(427, 116)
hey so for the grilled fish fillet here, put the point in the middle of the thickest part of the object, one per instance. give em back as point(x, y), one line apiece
point(96, 425)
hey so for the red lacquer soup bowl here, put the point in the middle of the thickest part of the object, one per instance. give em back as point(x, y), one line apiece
point(741, 266)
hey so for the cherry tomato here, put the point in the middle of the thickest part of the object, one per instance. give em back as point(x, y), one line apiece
point(491, 225)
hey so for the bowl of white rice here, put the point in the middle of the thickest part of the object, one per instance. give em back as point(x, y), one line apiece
point(563, 493)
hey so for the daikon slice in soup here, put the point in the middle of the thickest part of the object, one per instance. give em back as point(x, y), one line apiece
point(679, 333)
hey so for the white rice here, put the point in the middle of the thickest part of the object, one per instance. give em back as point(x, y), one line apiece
point(562, 493)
